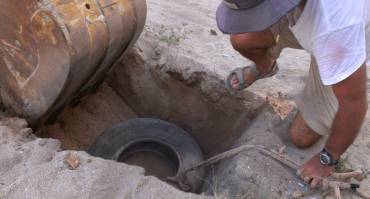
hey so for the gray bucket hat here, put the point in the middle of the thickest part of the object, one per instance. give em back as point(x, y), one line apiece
point(241, 16)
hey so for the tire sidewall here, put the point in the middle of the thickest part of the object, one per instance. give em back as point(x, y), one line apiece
point(116, 139)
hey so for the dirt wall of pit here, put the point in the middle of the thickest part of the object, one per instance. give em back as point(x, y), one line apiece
point(195, 100)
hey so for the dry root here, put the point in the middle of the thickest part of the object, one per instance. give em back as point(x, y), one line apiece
point(336, 182)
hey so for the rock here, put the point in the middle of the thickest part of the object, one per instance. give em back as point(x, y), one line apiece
point(281, 107)
point(213, 32)
point(72, 160)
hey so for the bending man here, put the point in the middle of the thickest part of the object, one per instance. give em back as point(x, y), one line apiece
point(337, 35)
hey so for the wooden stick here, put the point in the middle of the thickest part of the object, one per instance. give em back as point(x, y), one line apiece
point(280, 157)
point(217, 158)
point(358, 175)
point(337, 194)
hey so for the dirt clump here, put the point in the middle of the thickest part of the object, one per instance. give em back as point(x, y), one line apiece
point(72, 160)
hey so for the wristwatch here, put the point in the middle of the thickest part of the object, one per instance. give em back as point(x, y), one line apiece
point(327, 159)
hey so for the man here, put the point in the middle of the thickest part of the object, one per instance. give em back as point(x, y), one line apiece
point(337, 35)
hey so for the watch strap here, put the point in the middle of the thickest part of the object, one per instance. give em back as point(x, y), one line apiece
point(332, 161)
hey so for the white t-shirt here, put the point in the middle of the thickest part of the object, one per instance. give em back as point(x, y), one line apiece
point(337, 34)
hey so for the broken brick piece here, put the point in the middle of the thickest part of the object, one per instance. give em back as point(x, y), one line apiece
point(72, 160)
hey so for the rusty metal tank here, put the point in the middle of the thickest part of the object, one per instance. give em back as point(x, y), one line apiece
point(54, 51)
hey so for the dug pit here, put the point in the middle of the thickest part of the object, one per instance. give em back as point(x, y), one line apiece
point(166, 77)
point(153, 81)
point(139, 87)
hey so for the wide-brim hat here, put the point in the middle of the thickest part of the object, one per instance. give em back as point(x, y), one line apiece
point(241, 16)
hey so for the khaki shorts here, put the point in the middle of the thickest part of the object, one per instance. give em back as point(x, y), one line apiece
point(317, 103)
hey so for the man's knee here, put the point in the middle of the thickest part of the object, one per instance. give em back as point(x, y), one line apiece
point(301, 134)
point(251, 41)
point(299, 141)
point(240, 42)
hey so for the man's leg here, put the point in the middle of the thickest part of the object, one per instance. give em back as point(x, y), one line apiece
point(301, 135)
point(263, 48)
point(256, 47)
point(317, 108)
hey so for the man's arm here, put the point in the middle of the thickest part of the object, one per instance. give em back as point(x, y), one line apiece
point(352, 98)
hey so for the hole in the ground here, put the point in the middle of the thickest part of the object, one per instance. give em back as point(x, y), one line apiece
point(212, 117)
point(156, 158)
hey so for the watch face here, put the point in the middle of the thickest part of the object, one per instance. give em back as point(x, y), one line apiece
point(324, 159)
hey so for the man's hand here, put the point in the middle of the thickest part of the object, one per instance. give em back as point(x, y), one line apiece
point(313, 172)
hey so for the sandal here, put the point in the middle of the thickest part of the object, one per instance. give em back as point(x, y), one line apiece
point(239, 73)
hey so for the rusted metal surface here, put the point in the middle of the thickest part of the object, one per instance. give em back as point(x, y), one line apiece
point(52, 51)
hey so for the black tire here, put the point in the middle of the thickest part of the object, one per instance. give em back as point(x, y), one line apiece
point(116, 139)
